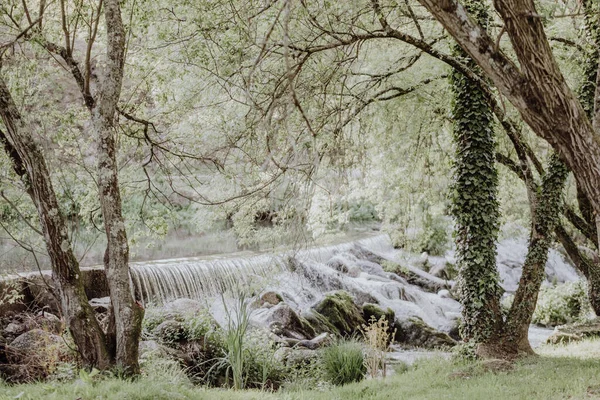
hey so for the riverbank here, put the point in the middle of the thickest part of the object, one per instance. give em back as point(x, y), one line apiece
point(550, 376)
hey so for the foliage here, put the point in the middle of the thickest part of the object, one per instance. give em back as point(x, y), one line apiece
point(344, 362)
point(561, 304)
point(434, 239)
point(474, 204)
point(378, 336)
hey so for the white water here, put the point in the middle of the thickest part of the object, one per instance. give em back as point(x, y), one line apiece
point(302, 278)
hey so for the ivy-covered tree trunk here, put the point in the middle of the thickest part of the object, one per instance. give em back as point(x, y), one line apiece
point(545, 218)
point(28, 161)
point(475, 207)
point(127, 313)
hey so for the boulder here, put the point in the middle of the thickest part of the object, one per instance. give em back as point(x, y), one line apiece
point(339, 310)
point(267, 300)
point(282, 320)
point(15, 329)
point(169, 331)
point(34, 355)
point(415, 332)
point(184, 307)
point(42, 292)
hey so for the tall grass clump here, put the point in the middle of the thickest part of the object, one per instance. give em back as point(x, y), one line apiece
point(235, 349)
point(378, 337)
point(343, 362)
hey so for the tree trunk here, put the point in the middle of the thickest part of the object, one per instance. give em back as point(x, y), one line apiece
point(475, 207)
point(28, 162)
point(128, 313)
point(545, 219)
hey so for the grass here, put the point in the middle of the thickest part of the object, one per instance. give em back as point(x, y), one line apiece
point(552, 376)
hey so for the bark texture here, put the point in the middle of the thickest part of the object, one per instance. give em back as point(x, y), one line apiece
point(545, 218)
point(28, 162)
point(128, 313)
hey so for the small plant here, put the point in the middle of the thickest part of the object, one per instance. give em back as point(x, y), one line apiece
point(343, 362)
point(236, 353)
point(378, 337)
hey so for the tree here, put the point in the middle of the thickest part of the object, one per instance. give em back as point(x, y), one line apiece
point(537, 89)
point(475, 207)
point(119, 344)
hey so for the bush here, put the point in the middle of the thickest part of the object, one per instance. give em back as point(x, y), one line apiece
point(344, 362)
point(558, 305)
point(561, 304)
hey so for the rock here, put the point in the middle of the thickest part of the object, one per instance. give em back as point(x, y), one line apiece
point(95, 282)
point(267, 300)
point(42, 291)
point(297, 358)
point(33, 356)
point(100, 305)
point(415, 332)
point(271, 298)
point(15, 329)
point(32, 340)
point(151, 348)
point(169, 331)
point(314, 343)
point(445, 294)
point(49, 322)
point(184, 307)
point(282, 320)
point(339, 310)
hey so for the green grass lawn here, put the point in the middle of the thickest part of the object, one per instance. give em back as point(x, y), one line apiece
point(562, 372)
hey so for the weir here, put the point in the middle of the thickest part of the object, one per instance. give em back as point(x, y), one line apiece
point(162, 281)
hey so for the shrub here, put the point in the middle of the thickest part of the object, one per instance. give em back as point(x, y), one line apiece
point(343, 362)
point(561, 304)
point(378, 336)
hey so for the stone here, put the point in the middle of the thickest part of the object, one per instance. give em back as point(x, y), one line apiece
point(184, 307)
point(339, 310)
point(415, 332)
point(282, 320)
point(314, 343)
point(271, 298)
point(169, 331)
point(42, 291)
point(15, 329)
point(49, 322)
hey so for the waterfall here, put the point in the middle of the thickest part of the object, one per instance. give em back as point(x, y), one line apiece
point(162, 281)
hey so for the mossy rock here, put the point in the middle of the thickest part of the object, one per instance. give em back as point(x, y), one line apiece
point(372, 312)
point(415, 332)
point(339, 310)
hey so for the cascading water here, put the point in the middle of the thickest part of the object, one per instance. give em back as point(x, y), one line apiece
point(302, 277)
